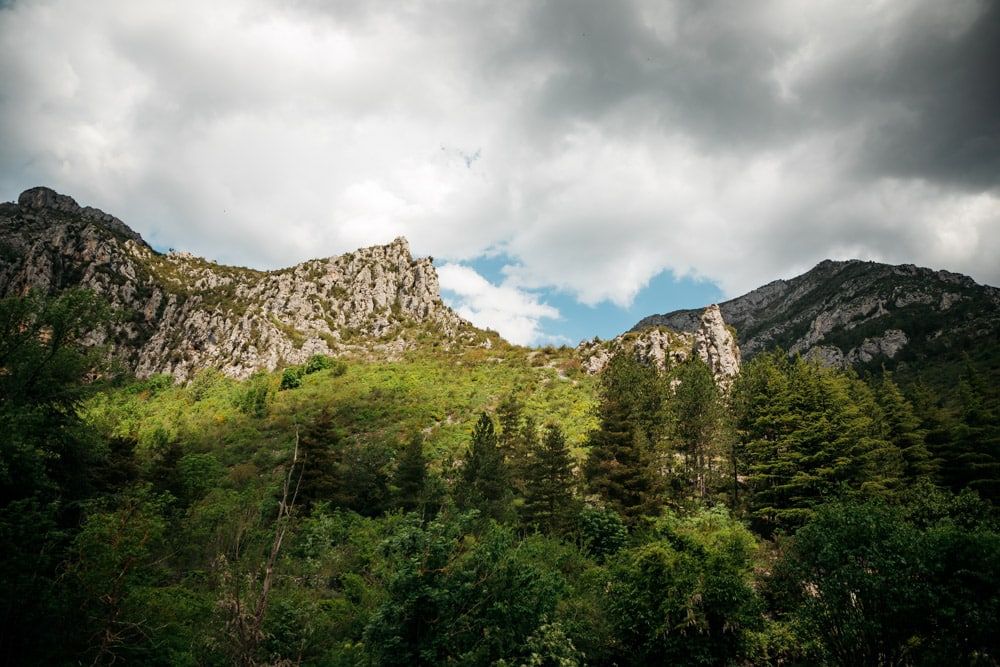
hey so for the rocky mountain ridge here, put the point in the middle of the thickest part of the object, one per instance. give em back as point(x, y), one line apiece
point(184, 313)
point(860, 313)
point(711, 339)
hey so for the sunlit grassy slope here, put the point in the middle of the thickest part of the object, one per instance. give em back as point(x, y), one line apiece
point(439, 394)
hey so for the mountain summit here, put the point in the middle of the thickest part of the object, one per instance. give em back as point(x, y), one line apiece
point(863, 314)
point(183, 313)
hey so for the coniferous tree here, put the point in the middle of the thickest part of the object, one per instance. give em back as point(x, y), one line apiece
point(901, 426)
point(517, 435)
point(810, 435)
point(321, 455)
point(970, 454)
point(624, 466)
point(411, 475)
point(484, 483)
point(549, 503)
point(699, 427)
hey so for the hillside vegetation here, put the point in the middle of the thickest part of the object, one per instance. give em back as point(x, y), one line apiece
point(485, 504)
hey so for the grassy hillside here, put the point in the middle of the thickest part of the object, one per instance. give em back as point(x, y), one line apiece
point(440, 395)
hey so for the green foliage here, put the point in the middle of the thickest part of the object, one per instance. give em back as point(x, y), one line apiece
point(549, 502)
point(253, 398)
point(809, 433)
point(861, 585)
point(699, 432)
point(320, 362)
point(291, 378)
point(624, 464)
point(602, 532)
point(484, 484)
point(114, 562)
point(456, 597)
point(410, 479)
point(134, 519)
point(687, 598)
point(43, 365)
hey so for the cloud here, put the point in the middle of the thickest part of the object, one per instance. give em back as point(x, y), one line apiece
point(595, 145)
point(514, 313)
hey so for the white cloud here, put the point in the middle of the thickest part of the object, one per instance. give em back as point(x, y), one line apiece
point(513, 313)
point(722, 143)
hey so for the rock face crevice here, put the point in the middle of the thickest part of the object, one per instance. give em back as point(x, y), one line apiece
point(183, 313)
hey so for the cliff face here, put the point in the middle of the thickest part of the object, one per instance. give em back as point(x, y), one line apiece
point(710, 339)
point(857, 313)
point(182, 313)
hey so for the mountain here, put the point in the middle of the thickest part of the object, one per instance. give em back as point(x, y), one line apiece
point(864, 314)
point(710, 339)
point(183, 313)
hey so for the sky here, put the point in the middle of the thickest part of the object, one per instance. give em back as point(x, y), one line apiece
point(571, 165)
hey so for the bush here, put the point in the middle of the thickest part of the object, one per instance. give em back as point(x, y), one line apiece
point(291, 378)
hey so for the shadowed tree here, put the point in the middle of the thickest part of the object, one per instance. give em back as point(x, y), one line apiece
point(624, 466)
point(484, 482)
point(410, 478)
point(549, 504)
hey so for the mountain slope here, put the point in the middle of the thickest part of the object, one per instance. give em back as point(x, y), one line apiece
point(183, 313)
point(864, 314)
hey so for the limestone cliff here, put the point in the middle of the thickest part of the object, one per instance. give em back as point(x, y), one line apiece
point(712, 340)
point(861, 313)
point(182, 313)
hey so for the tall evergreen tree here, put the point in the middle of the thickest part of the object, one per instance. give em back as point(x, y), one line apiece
point(484, 483)
point(411, 475)
point(624, 465)
point(549, 503)
point(699, 431)
point(901, 426)
point(321, 453)
point(970, 455)
point(809, 435)
point(517, 436)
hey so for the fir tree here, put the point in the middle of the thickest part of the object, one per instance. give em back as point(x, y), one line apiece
point(699, 426)
point(484, 484)
point(321, 453)
point(411, 475)
point(549, 504)
point(623, 465)
point(901, 426)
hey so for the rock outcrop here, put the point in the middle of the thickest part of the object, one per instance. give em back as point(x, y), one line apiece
point(183, 313)
point(858, 313)
point(713, 341)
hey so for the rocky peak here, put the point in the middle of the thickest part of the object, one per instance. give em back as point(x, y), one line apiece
point(183, 313)
point(716, 344)
point(41, 200)
point(858, 313)
point(713, 341)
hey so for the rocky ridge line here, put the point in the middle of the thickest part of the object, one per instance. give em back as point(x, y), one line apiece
point(855, 312)
point(711, 340)
point(184, 313)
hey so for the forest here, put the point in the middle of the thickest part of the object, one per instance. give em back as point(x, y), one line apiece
point(489, 506)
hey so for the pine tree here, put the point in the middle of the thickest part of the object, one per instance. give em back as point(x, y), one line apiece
point(517, 436)
point(699, 426)
point(624, 465)
point(321, 453)
point(901, 426)
point(810, 434)
point(484, 484)
point(971, 454)
point(549, 504)
point(411, 475)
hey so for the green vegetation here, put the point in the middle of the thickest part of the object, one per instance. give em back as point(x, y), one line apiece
point(489, 506)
